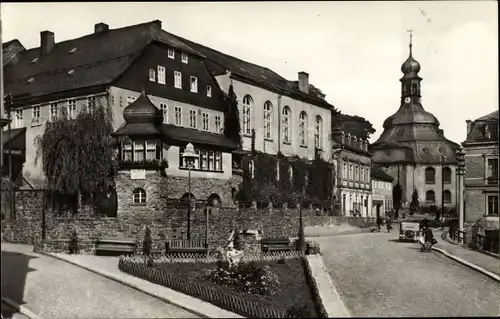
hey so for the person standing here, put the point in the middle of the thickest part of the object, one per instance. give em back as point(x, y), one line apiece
point(388, 223)
point(379, 222)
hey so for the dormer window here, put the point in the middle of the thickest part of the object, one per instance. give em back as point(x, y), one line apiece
point(72, 51)
point(34, 60)
point(70, 72)
point(152, 75)
point(209, 91)
point(184, 58)
point(30, 80)
point(171, 53)
point(194, 84)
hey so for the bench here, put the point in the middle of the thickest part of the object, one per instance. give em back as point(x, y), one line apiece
point(276, 244)
point(115, 246)
point(174, 246)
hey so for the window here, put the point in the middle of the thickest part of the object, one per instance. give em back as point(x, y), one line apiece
point(362, 174)
point(268, 111)
point(161, 75)
point(139, 196)
point(447, 175)
point(357, 173)
point(53, 112)
point(164, 110)
point(344, 203)
point(351, 172)
point(345, 172)
point(72, 109)
point(218, 128)
point(171, 53)
point(247, 124)
point(303, 128)
point(430, 175)
point(152, 75)
point(150, 150)
point(218, 160)
point(318, 132)
point(131, 99)
point(251, 168)
point(209, 91)
point(138, 151)
point(492, 168)
point(127, 152)
point(194, 84)
point(36, 116)
point(447, 196)
point(430, 197)
point(205, 126)
point(493, 205)
point(367, 175)
point(91, 104)
point(192, 118)
point(18, 118)
point(208, 160)
point(287, 120)
point(178, 79)
point(178, 116)
point(184, 57)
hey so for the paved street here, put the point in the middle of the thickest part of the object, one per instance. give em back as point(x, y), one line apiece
point(378, 276)
point(55, 289)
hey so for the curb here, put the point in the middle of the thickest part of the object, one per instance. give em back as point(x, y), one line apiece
point(447, 239)
point(468, 264)
point(328, 294)
point(21, 308)
point(186, 306)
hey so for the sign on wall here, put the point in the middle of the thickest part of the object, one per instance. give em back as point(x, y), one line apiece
point(137, 174)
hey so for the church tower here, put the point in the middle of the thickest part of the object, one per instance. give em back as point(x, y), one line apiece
point(413, 149)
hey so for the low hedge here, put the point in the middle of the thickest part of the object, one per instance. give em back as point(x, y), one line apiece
point(318, 303)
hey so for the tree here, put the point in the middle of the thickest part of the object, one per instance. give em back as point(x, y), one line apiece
point(397, 196)
point(415, 204)
point(78, 157)
point(232, 128)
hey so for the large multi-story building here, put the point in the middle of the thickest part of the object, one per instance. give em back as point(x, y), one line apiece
point(481, 162)
point(381, 192)
point(413, 149)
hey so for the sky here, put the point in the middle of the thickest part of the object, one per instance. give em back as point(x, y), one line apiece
point(353, 51)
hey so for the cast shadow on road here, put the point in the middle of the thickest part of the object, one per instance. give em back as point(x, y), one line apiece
point(15, 267)
point(395, 240)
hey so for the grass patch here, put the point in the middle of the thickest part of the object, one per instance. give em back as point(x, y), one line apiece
point(293, 289)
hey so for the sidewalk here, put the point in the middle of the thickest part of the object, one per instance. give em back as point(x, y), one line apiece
point(489, 265)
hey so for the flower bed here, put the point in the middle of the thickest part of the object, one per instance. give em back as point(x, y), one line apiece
point(284, 281)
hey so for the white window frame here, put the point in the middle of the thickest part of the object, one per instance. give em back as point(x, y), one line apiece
point(178, 115)
point(177, 79)
point(193, 80)
point(287, 128)
point(151, 146)
point(247, 115)
point(139, 147)
point(171, 53)
point(152, 75)
point(71, 107)
point(18, 116)
point(91, 103)
point(164, 110)
point(53, 111)
point(318, 134)
point(184, 57)
point(140, 195)
point(36, 120)
point(205, 122)
point(303, 128)
point(268, 120)
point(218, 127)
point(127, 147)
point(193, 119)
point(161, 75)
point(218, 162)
point(209, 91)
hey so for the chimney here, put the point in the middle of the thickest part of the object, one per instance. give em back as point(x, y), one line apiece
point(157, 23)
point(304, 82)
point(47, 42)
point(101, 27)
point(469, 126)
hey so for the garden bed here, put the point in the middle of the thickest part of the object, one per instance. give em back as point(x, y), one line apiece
point(293, 287)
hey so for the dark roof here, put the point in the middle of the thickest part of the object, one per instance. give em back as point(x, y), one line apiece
point(142, 111)
point(378, 173)
point(354, 125)
point(479, 127)
point(491, 116)
point(98, 59)
point(9, 136)
point(220, 62)
point(138, 129)
point(178, 135)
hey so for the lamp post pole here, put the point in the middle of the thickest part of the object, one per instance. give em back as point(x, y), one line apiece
point(461, 174)
point(443, 159)
point(189, 157)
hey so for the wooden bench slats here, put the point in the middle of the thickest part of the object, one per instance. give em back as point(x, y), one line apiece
point(186, 246)
point(117, 240)
point(115, 248)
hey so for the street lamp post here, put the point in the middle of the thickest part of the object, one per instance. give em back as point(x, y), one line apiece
point(443, 160)
point(189, 157)
point(461, 174)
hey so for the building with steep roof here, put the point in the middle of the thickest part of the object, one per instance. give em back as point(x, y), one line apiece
point(481, 162)
point(413, 149)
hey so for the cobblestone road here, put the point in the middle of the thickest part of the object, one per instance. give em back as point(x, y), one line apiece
point(55, 289)
point(378, 276)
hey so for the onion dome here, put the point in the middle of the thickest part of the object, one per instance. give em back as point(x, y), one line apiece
point(410, 65)
point(142, 111)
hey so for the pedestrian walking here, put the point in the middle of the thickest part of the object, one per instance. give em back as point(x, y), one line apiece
point(388, 223)
point(379, 222)
point(443, 221)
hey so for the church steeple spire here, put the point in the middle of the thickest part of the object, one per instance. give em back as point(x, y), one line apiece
point(410, 88)
point(411, 35)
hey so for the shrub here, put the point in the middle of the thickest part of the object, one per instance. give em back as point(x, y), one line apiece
point(237, 240)
point(147, 245)
point(302, 311)
point(73, 243)
point(245, 277)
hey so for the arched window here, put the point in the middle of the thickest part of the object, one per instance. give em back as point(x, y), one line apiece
point(318, 132)
point(287, 127)
point(430, 175)
point(447, 196)
point(139, 195)
point(214, 200)
point(268, 111)
point(303, 128)
point(430, 197)
point(447, 175)
point(247, 114)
